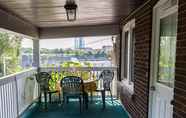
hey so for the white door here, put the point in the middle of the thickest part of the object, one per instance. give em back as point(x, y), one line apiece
point(163, 60)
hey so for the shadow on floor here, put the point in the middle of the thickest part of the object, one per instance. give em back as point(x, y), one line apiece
point(71, 110)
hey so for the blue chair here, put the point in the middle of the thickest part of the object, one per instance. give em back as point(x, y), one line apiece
point(72, 87)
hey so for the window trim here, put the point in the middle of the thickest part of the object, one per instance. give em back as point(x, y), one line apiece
point(128, 55)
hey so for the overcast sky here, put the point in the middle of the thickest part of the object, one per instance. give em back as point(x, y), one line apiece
point(92, 42)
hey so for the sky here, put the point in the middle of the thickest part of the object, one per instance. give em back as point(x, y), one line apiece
point(90, 42)
point(26, 43)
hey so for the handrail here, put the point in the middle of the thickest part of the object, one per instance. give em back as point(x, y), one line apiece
point(77, 68)
point(14, 92)
point(16, 88)
point(8, 78)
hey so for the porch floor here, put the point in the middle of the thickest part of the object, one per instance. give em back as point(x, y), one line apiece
point(71, 110)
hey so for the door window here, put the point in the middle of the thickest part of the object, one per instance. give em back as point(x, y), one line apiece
point(167, 50)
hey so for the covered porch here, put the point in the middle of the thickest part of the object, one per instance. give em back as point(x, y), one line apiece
point(40, 20)
point(147, 58)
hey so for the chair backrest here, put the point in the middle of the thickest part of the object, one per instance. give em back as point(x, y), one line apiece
point(107, 77)
point(43, 80)
point(72, 84)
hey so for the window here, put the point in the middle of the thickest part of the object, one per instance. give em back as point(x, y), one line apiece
point(128, 52)
point(167, 52)
point(15, 53)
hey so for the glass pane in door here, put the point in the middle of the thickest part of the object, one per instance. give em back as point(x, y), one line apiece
point(167, 50)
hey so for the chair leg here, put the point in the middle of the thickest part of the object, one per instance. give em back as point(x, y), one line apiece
point(50, 97)
point(85, 99)
point(59, 97)
point(67, 100)
point(40, 98)
point(63, 102)
point(111, 96)
point(103, 98)
point(91, 94)
point(80, 103)
point(45, 96)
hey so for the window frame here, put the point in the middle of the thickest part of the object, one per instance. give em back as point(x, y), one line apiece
point(128, 44)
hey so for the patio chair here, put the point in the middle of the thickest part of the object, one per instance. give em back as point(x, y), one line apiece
point(43, 81)
point(72, 87)
point(107, 77)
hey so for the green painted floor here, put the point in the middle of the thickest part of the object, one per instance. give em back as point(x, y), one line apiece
point(71, 110)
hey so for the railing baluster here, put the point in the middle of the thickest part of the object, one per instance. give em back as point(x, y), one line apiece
point(94, 71)
point(8, 102)
point(14, 99)
point(10, 94)
point(1, 101)
point(17, 101)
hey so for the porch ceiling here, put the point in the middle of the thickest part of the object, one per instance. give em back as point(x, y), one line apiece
point(51, 13)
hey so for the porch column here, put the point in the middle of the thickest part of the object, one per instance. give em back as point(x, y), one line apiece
point(36, 53)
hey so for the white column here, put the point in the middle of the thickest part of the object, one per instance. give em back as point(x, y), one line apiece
point(36, 53)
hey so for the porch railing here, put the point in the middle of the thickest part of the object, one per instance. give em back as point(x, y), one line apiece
point(17, 92)
point(94, 73)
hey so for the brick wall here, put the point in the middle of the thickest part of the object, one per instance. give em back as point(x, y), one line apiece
point(138, 106)
point(180, 79)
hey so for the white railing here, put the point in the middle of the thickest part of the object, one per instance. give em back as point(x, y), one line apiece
point(17, 92)
point(94, 71)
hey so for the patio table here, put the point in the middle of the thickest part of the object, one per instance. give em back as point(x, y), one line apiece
point(90, 86)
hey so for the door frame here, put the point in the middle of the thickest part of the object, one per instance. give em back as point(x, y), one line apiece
point(155, 45)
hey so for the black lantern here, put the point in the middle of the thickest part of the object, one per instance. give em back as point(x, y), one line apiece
point(71, 8)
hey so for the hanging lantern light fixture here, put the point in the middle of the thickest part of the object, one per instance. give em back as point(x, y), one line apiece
point(71, 8)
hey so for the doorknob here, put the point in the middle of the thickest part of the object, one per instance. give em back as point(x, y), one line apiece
point(172, 102)
point(152, 88)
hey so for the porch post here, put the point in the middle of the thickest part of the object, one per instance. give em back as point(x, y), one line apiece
point(36, 53)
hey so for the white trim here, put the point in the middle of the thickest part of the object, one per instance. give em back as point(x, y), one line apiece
point(154, 46)
point(36, 53)
point(122, 52)
point(130, 25)
point(169, 11)
point(15, 33)
point(9, 78)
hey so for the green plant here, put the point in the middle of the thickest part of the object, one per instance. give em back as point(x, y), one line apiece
point(57, 76)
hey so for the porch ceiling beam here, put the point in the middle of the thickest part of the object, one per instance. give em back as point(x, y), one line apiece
point(11, 22)
point(65, 32)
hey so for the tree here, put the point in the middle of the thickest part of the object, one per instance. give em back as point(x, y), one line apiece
point(10, 49)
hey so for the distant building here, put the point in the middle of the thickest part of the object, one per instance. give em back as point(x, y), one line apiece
point(79, 43)
point(107, 48)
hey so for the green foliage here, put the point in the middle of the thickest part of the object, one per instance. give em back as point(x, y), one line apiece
point(57, 76)
point(10, 50)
